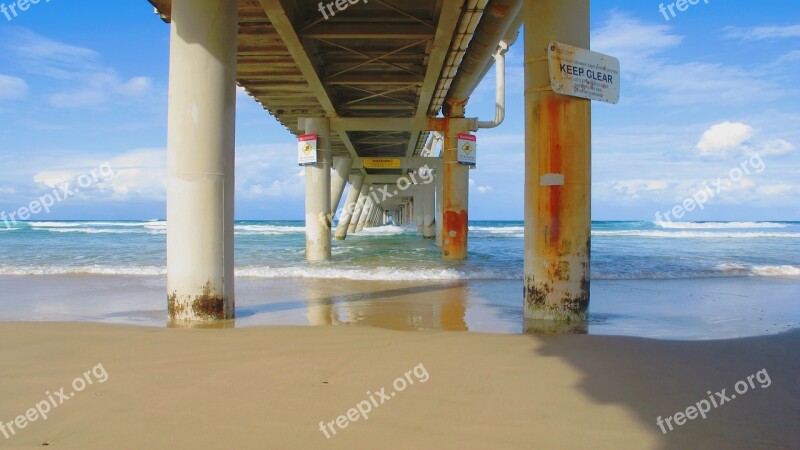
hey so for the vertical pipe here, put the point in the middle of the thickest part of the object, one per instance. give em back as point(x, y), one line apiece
point(362, 198)
point(455, 192)
point(201, 154)
point(558, 147)
point(349, 207)
point(341, 173)
point(318, 194)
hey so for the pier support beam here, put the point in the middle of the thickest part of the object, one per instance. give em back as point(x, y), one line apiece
point(318, 194)
point(557, 175)
point(455, 205)
point(341, 173)
point(429, 209)
point(366, 211)
point(349, 207)
point(439, 207)
point(201, 141)
point(362, 199)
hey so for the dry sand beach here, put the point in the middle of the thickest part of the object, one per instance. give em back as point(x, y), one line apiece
point(271, 388)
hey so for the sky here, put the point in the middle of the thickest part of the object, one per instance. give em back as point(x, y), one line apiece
point(709, 112)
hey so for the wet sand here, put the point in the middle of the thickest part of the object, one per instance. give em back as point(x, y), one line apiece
point(271, 387)
point(665, 309)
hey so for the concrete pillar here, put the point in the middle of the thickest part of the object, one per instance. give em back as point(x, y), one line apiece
point(429, 208)
point(419, 207)
point(557, 172)
point(349, 207)
point(341, 173)
point(318, 194)
point(200, 158)
point(439, 207)
point(362, 198)
point(365, 212)
point(455, 205)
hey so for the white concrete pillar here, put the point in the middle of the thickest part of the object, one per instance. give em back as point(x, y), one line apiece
point(349, 207)
point(439, 208)
point(365, 212)
point(200, 158)
point(557, 145)
point(318, 194)
point(362, 198)
point(428, 209)
point(341, 173)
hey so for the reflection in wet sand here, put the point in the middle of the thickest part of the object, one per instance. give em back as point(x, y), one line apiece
point(430, 307)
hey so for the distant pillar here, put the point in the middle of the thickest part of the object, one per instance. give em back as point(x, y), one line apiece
point(439, 207)
point(419, 208)
point(341, 173)
point(365, 212)
point(200, 149)
point(557, 173)
point(318, 194)
point(362, 198)
point(349, 207)
point(428, 209)
point(455, 190)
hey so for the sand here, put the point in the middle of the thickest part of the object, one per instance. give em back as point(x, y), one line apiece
point(271, 387)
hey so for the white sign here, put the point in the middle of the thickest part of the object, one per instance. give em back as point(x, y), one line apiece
point(582, 73)
point(467, 149)
point(307, 150)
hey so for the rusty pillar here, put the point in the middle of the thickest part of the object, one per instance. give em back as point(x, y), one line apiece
point(455, 189)
point(200, 149)
point(557, 175)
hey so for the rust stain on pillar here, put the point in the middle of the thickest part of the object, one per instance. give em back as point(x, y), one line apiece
point(455, 216)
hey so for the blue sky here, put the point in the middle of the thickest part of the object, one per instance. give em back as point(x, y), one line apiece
point(709, 98)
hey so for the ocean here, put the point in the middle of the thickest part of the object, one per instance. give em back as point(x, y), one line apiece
point(275, 249)
point(698, 280)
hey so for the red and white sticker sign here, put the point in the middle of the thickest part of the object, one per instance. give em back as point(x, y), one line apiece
point(307, 149)
point(467, 149)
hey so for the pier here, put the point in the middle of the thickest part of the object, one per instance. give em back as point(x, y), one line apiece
point(383, 88)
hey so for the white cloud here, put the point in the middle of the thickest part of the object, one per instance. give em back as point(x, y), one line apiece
point(42, 56)
point(101, 88)
point(137, 175)
point(84, 80)
point(791, 56)
point(641, 46)
point(633, 41)
point(633, 189)
point(779, 189)
point(775, 147)
point(724, 136)
point(763, 32)
point(12, 88)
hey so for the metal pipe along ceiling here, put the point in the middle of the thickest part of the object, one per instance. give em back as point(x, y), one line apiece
point(498, 19)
